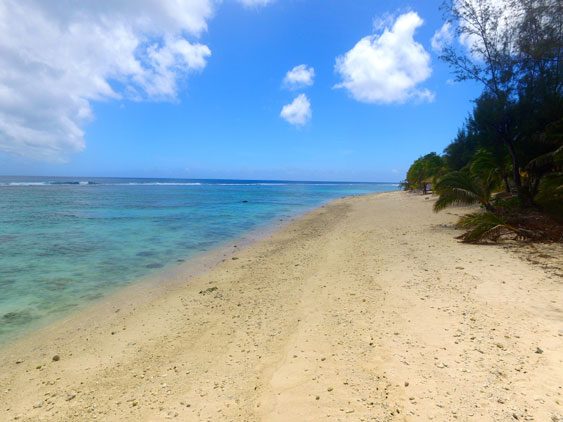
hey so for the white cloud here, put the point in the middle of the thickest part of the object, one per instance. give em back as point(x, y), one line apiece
point(251, 3)
point(384, 21)
point(299, 77)
point(57, 57)
point(386, 68)
point(442, 37)
point(298, 112)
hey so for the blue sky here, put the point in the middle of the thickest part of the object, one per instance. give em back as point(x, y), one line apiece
point(222, 117)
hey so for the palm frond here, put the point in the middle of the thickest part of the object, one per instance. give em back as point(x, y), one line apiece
point(547, 161)
point(550, 195)
point(552, 185)
point(455, 197)
point(489, 226)
point(459, 188)
point(483, 226)
point(470, 220)
point(495, 232)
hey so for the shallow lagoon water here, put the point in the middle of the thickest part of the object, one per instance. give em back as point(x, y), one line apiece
point(65, 242)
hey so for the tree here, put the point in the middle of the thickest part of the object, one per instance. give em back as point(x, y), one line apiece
point(540, 40)
point(428, 167)
point(514, 49)
point(459, 152)
point(487, 30)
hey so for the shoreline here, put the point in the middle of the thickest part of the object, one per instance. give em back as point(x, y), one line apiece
point(169, 277)
point(363, 308)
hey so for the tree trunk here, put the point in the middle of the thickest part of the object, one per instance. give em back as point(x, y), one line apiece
point(506, 184)
point(515, 166)
point(523, 192)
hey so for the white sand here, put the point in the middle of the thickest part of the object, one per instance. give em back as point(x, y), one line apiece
point(367, 309)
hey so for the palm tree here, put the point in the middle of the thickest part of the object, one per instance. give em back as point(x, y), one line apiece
point(462, 188)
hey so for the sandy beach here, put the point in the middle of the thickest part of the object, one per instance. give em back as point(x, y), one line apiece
point(366, 309)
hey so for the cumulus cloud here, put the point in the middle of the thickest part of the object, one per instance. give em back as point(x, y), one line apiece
point(383, 21)
point(297, 113)
point(387, 67)
point(442, 37)
point(299, 77)
point(57, 57)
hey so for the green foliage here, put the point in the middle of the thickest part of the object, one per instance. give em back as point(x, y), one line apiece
point(541, 166)
point(546, 162)
point(518, 63)
point(463, 188)
point(482, 226)
point(490, 226)
point(459, 153)
point(404, 185)
point(486, 162)
point(425, 168)
point(513, 138)
point(509, 205)
point(550, 195)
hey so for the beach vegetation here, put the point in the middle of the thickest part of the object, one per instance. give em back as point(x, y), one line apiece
point(513, 49)
point(508, 154)
point(491, 163)
point(464, 188)
point(490, 226)
point(482, 225)
point(550, 195)
point(425, 169)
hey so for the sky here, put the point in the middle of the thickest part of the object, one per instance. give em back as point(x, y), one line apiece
point(245, 89)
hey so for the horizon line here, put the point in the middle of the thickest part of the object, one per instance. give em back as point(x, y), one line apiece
point(210, 179)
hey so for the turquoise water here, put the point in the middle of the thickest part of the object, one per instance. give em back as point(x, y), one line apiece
point(67, 241)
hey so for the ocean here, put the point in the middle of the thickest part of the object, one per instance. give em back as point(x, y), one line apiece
point(65, 242)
